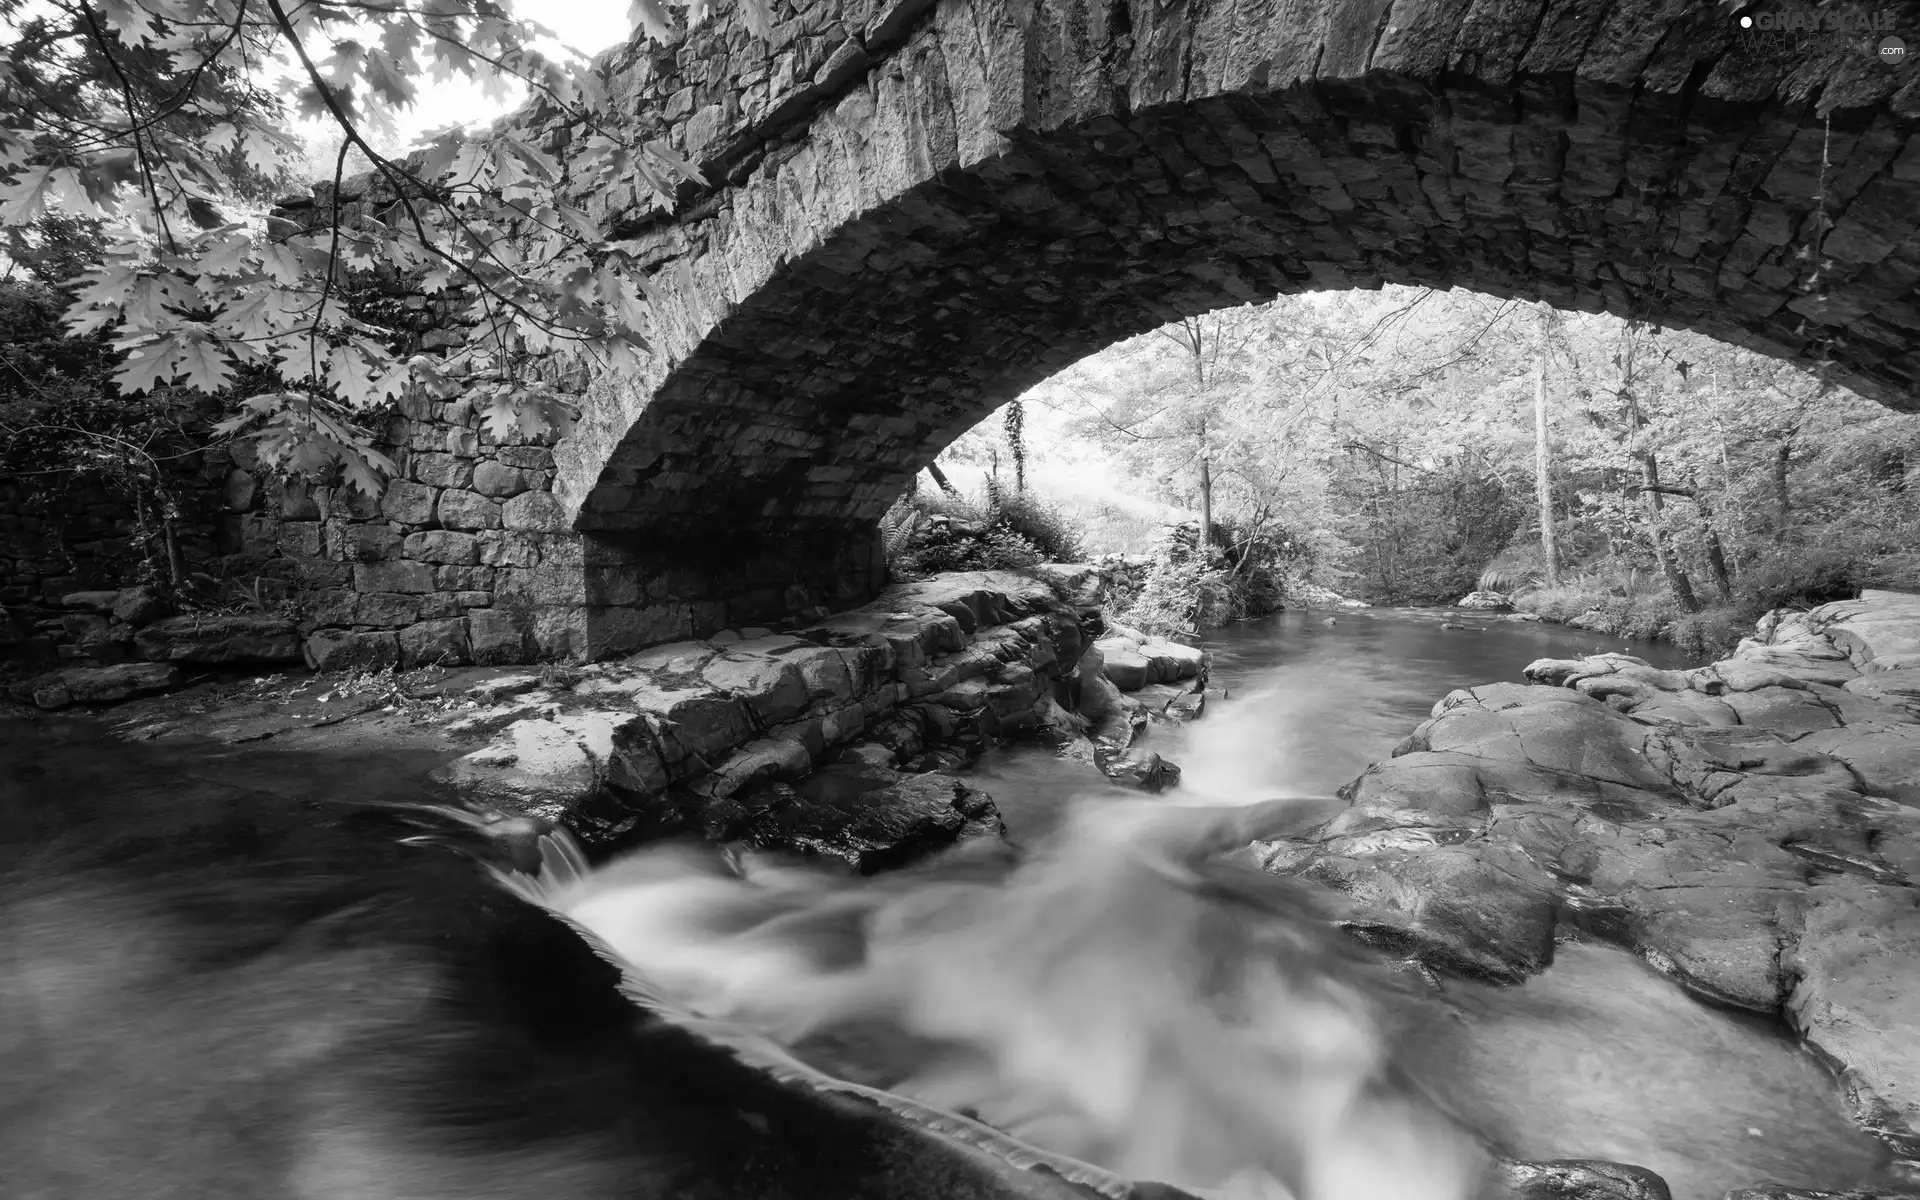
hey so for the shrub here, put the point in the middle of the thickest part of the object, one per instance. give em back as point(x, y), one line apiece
point(1711, 632)
point(1803, 576)
point(926, 533)
point(1041, 525)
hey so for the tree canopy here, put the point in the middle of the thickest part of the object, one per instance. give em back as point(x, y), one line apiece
point(1401, 423)
point(172, 123)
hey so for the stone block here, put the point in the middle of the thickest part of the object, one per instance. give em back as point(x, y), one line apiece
point(435, 643)
point(561, 633)
point(498, 480)
point(468, 510)
point(207, 638)
point(532, 458)
point(339, 650)
point(300, 539)
point(442, 546)
point(542, 585)
point(442, 470)
point(495, 636)
point(463, 579)
point(408, 502)
point(140, 605)
point(536, 512)
point(333, 607)
point(387, 610)
point(358, 543)
point(507, 548)
point(397, 576)
point(295, 500)
point(100, 685)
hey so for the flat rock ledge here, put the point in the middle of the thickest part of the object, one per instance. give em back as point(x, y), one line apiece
point(1750, 828)
point(709, 736)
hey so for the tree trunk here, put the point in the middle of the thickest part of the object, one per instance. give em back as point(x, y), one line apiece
point(940, 477)
point(1677, 580)
point(1206, 512)
point(1716, 553)
point(1542, 461)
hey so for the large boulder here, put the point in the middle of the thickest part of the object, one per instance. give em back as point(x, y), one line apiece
point(101, 685)
point(1748, 829)
point(870, 830)
point(220, 638)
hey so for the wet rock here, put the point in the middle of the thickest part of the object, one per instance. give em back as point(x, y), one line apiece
point(220, 638)
point(1141, 769)
point(1892, 687)
point(1773, 1191)
point(95, 602)
point(338, 650)
point(546, 767)
point(1748, 829)
point(1484, 601)
point(1878, 632)
point(876, 829)
point(1133, 662)
point(101, 685)
point(1485, 913)
point(1580, 1179)
point(434, 643)
point(141, 605)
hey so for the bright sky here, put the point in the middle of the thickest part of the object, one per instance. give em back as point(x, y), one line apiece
point(588, 26)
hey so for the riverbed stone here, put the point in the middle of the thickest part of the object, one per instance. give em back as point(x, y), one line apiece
point(1748, 828)
point(141, 605)
point(1580, 1179)
point(878, 829)
point(344, 650)
point(220, 638)
point(435, 643)
point(752, 709)
point(102, 685)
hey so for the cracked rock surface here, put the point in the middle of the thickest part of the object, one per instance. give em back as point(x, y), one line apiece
point(1751, 829)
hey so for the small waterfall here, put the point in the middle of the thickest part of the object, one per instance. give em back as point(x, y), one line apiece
point(1128, 996)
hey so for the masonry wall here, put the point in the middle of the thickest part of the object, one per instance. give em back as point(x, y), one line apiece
point(466, 557)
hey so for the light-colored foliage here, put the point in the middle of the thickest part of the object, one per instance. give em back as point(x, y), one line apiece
point(172, 121)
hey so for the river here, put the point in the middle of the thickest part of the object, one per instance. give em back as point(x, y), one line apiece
point(1600, 1057)
point(1120, 998)
point(1313, 698)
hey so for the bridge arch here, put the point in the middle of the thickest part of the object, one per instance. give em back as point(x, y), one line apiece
point(983, 192)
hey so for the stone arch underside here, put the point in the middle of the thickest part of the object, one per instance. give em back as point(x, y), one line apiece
point(1010, 190)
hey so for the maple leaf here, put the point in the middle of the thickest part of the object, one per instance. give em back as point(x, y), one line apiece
point(147, 366)
point(205, 365)
point(387, 80)
point(497, 415)
point(38, 190)
point(666, 154)
point(225, 252)
point(757, 15)
point(651, 17)
point(267, 149)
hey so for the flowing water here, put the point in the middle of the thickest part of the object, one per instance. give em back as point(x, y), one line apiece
point(1129, 995)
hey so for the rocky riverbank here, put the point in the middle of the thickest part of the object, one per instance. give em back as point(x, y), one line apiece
point(838, 738)
point(1749, 828)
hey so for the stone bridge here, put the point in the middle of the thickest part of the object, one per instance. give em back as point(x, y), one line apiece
point(916, 209)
